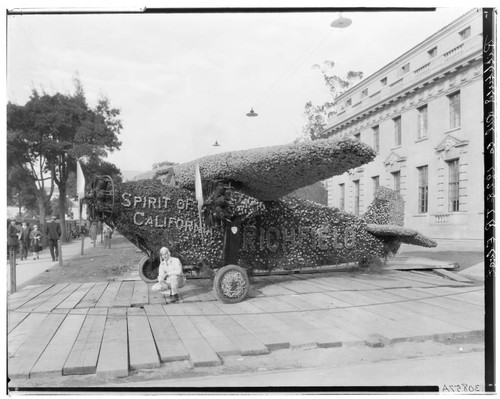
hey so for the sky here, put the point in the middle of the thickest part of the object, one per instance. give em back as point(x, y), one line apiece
point(184, 81)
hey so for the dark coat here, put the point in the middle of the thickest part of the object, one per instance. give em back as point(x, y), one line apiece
point(25, 236)
point(53, 230)
point(12, 238)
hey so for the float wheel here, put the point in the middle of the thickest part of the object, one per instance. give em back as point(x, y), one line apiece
point(231, 284)
point(148, 270)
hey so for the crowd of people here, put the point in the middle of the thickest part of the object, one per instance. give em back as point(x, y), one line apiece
point(26, 241)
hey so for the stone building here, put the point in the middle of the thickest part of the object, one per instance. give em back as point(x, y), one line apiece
point(423, 114)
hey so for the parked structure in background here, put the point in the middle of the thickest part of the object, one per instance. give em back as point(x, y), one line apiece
point(423, 114)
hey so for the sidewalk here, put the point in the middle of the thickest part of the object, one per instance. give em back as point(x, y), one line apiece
point(29, 268)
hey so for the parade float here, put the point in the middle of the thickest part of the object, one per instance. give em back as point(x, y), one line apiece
point(230, 216)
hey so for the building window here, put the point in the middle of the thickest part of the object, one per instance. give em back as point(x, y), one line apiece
point(356, 197)
point(364, 93)
point(383, 81)
point(454, 100)
point(423, 189)
point(453, 186)
point(376, 138)
point(342, 196)
point(432, 52)
point(465, 34)
point(396, 181)
point(422, 122)
point(376, 184)
point(397, 131)
point(357, 136)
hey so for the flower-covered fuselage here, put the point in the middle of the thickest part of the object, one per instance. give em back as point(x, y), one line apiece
point(288, 233)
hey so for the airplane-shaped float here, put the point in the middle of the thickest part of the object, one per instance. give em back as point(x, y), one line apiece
point(229, 215)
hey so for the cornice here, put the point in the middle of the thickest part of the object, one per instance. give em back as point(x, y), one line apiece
point(414, 96)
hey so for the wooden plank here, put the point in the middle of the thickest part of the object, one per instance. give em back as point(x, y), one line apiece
point(220, 342)
point(52, 360)
point(142, 349)
point(211, 308)
point(401, 263)
point(270, 288)
point(124, 296)
point(169, 345)
point(27, 355)
point(299, 286)
point(337, 283)
point(107, 299)
point(23, 330)
point(362, 319)
point(351, 297)
point(113, 356)
point(140, 294)
point(55, 300)
point(430, 278)
point(273, 333)
point(383, 282)
point(238, 308)
point(338, 331)
point(84, 354)
point(156, 297)
point(200, 352)
point(39, 299)
point(14, 318)
point(92, 296)
point(71, 301)
point(21, 297)
point(422, 326)
point(188, 308)
point(247, 343)
point(452, 276)
point(322, 300)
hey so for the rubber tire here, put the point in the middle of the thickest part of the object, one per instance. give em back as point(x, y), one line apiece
point(147, 271)
point(218, 279)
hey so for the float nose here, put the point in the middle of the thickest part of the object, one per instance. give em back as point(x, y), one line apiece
point(100, 198)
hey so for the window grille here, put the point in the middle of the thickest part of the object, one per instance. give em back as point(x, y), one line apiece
point(397, 131)
point(376, 138)
point(342, 197)
point(454, 100)
point(423, 189)
point(356, 197)
point(422, 122)
point(396, 179)
point(453, 186)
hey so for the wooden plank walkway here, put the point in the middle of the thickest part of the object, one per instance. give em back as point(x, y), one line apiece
point(111, 329)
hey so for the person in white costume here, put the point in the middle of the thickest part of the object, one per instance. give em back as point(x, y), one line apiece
point(170, 275)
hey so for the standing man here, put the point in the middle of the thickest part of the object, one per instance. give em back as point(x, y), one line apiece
point(25, 240)
point(107, 231)
point(53, 233)
point(12, 236)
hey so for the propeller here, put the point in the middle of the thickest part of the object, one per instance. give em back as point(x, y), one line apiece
point(198, 192)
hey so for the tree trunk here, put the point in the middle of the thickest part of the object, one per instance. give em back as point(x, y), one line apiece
point(62, 212)
point(41, 212)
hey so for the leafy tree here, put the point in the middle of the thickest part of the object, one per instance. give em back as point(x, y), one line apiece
point(317, 115)
point(25, 152)
point(19, 193)
point(55, 130)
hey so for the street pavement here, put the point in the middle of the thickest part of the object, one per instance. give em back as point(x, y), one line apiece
point(452, 373)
